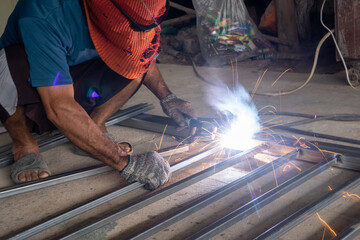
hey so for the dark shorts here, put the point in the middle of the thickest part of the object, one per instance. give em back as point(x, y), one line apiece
point(94, 84)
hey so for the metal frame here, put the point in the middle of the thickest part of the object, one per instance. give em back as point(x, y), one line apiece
point(157, 123)
point(70, 176)
point(286, 225)
point(146, 200)
point(265, 199)
point(220, 193)
point(106, 198)
point(58, 139)
point(318, 135)
point(228, 220)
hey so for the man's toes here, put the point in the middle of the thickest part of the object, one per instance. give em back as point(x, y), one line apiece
point(34, 175)
point(28, 176)
point(125, 147)
point(43, 174)
point(22, 177)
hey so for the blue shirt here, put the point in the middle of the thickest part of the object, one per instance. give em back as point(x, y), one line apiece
point(55, 36)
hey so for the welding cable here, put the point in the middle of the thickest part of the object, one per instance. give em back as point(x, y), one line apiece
point(317, 52)
point(279, 93)
point(330, 32)
point(336, 44)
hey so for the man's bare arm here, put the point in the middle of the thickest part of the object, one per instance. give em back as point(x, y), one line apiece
point(72, 120)
point(155, 82)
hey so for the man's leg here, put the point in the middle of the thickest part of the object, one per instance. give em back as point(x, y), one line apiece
point(19, 127)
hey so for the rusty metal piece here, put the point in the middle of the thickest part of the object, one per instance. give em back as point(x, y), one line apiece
point(347, 14)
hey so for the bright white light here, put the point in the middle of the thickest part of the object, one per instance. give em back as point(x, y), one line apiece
point(242, 114)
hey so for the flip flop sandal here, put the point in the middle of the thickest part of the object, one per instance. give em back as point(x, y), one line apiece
point(31, 162)
point(81, 152)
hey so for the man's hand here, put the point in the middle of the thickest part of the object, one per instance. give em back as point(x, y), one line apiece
point(174, 107)
point(177, 109)
point(150, 169)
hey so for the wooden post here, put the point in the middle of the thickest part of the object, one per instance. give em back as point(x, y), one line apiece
point(286, 22)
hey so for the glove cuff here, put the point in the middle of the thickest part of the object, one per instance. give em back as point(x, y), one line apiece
point(168, 98)
point(127, 164)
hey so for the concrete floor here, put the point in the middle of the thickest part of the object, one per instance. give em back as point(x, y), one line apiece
point(325, 94)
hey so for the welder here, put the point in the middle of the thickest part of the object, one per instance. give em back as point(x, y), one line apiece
point(70, 65)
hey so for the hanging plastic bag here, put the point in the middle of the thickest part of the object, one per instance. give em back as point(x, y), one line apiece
point(226, 32)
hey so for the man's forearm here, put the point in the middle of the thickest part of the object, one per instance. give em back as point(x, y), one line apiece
point(72, 120)
point(155, 82)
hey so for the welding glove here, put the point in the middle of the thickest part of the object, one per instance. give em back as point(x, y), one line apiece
point(177, 109)
point(150, 169)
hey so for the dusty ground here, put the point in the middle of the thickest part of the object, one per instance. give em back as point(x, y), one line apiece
point(326, 94)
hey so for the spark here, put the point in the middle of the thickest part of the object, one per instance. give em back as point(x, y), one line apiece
point(268, 106)
point(330, 188)
point(323, 236)
point(258, 83)
point(331, 152)
point(351, 195)
point(295, 166)
point(326, 225)
point(287, 70)
point(162, 137)
point(286, 167)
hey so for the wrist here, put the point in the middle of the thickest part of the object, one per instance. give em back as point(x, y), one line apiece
point(168, 98)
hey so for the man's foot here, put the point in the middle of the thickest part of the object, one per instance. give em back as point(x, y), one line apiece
point(29, 168)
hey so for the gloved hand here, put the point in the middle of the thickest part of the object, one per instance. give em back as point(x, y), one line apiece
point(150, 169)
point(177, 109)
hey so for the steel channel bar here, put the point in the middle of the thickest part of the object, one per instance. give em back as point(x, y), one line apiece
point(213, 197)
point(147, 200)
point(350, 233)
point(53, 180)
point(99, 201)
point(289, 223)
point(156, 124)
point(346, 150)
point(318, 135)
point(70, 176)
point(265, 199)
point(7, 159)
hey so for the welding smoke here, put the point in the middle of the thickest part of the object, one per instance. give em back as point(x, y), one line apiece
point(241, 121)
